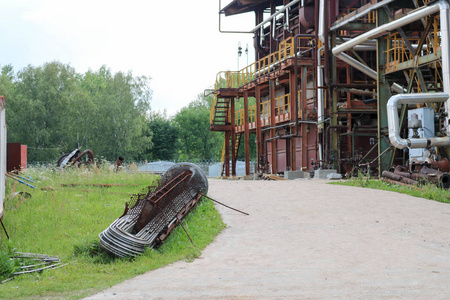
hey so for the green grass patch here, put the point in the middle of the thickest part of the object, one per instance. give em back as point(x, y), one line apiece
point(64, 221)
point(427, 191)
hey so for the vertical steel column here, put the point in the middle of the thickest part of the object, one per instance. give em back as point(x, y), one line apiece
point(294, 99)
point(304, 132)
point(350, 146)
point(259, 142)
point(226, 163)
point(233, 139)
point(383, 95)
point(333, 109)
point(246, 134)
point(272, 124)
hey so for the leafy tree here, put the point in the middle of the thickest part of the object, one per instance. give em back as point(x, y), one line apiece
point(196, 140)
point(56, 109)
point(37, 114)
point(121, 103)
point(7, 77)
point(164, 137)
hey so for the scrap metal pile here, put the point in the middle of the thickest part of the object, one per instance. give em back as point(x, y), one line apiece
point(430, 171)
point(150, 216)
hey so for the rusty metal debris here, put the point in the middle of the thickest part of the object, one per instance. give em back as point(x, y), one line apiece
point(421, 173)
point(75, 158)
point(150, 216)
point(118, 163)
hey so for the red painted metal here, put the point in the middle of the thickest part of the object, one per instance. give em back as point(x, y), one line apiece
point(16, 154)
point(281, 153)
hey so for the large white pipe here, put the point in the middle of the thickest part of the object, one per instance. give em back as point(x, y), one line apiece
point(385, 28)
point(396, 100)
point(365, 37)
point(321, 30)
point(320, 93)
point(282, 9)
point(366, 70)
point(394, 104)
point(320, 80)
point(445, 48)
point(361, 13)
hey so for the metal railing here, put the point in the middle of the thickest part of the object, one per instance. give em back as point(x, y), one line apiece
point(397, 52)
point(262, 67)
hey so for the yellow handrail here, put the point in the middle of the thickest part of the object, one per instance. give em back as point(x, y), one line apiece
point(212, 110)
point(283, 105)
point(239, 117)
point(236, 79)
point(397, 52)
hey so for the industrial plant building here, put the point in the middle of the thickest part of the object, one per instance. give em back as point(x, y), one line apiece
point(349, 85)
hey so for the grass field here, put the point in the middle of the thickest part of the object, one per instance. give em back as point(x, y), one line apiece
point(427, 191)
point(63, 217)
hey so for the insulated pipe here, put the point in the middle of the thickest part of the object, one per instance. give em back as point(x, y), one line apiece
point(412, 17)
point(394, 134)
point(321, 30)
point(320, 93)
point(365, 69)
point(360, 14)
point(282, 9)
point(393, 123)
point(320, 81)
point(385, 28)
point(445, 32)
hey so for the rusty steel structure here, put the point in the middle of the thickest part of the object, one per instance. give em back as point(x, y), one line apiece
point(151, 215)
point(351, 85)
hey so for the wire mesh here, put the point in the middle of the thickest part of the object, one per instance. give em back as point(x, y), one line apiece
point(150, 214)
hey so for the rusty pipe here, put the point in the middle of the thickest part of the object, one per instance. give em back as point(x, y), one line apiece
point(87, 152)
point(397, 177)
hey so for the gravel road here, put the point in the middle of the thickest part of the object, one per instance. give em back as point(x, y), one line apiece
point(306, 239)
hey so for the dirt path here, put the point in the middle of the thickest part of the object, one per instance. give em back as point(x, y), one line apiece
point(305, 239)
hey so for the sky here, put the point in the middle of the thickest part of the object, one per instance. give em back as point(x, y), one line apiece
point(177, 43)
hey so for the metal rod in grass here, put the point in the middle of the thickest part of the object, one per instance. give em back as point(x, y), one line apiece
point(4, 229)
point(180, 224)
point(19, 180)
point(225, 205)
point(53, 266)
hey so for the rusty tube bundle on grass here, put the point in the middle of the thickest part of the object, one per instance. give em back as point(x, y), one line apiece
point(150, 216)
point(424, 175)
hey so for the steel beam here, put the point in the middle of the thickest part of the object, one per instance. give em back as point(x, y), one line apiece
point(272, 123)
point(233, 138)
point(246, 134)
point(383, 95)
point(259, 142)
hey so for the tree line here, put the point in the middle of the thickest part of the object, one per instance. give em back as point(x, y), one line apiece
point(53, 110)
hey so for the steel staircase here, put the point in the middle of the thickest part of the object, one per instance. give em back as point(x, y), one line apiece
point(221, 113)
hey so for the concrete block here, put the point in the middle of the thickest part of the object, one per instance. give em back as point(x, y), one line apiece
point(334, 176)
point(322, 174)
point(294, 174)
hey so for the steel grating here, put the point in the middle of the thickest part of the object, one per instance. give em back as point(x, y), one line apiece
point(150, 215)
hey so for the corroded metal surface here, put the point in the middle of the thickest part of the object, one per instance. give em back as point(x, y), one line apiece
point(151, 215)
